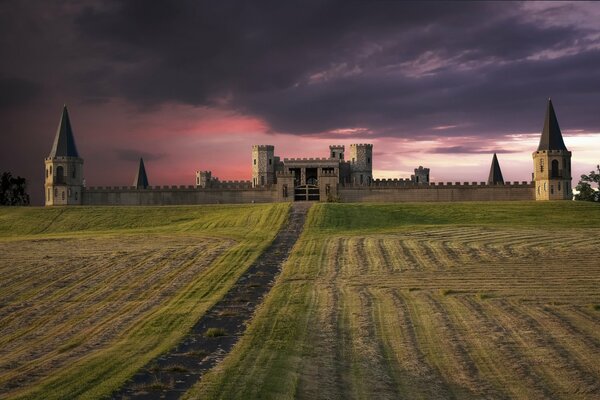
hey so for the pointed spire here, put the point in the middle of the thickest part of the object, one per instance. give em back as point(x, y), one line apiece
point(495, 177)
point(141, 179)
point(551, 138)
point(64, 142)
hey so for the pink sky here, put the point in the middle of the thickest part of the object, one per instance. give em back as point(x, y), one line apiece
point(177, 140)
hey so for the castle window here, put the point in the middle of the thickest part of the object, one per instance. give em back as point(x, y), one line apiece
point(46, 172)
point(559, 186)
point(361, 179)
point(74, 172)
point(255, 161)
point(541, 165)
point(539, 187)
point(75, 195)
point(285, 192)
point(55, 192)
point(51, 170)
point(197, 180)
point(555, 173)
point(262, 180)
point(48, 194)
point(63, 194)
point(270, 161)
point(60, 174)
point(340, 156)
point(368, 160)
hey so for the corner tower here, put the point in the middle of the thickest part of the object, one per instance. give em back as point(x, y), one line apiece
point(552, 162)
point(263, 165)
point(361, 164)
point(64, 167)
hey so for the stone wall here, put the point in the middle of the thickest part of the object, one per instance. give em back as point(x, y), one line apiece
point(241, 192)
point(176, 195)
point(438, 192)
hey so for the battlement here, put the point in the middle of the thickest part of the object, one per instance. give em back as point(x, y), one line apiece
point(328, 173)
point(369, 145)
point(263, 147)
point(305, 159)
point(284, 173)
point(556, 152)
point(410, 183)
point(336, 146)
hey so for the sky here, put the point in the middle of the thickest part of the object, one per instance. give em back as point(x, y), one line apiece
point(192, 85)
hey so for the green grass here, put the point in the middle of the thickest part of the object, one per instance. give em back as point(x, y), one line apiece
point(364, 218)
point(157, 244)
point(432, 300)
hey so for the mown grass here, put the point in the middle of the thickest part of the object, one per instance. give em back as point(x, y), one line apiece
point(365, 218)
point(429, 301)
point(69, 369)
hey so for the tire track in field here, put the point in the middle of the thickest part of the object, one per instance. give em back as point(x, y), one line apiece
point(512, 361)
point(561, 370)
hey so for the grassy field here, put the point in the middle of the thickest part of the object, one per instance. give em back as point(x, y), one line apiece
point(428, 301)
point(90, 294)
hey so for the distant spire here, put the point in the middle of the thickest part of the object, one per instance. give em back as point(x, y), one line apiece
point(64, 142)
point(141, 179)
point(551, 138)
point(495, 177)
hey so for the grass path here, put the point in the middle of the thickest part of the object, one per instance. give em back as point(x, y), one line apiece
point(93, 293)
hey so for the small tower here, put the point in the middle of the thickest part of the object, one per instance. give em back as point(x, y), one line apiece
point(64, 167)
point(495, 177)
point(203, 179)
point(141, 179)
point(337, 152)
point(263, 165)
point(552, 162)
point(421, 175)
point(361, 164)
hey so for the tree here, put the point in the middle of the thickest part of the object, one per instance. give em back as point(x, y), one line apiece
point(585, 189)
point(13, 190)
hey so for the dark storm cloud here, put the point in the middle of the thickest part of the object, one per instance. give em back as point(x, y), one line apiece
point(396, 68)
point(467, 150)
point(134, 155)
point(17, 92)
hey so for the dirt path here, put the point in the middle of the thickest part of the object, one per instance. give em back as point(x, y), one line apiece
point(170, 375)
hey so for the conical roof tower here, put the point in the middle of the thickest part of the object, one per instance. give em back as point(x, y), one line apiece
point(495, 177)
point(64, 141)
point(551, 138)
point(141, 179)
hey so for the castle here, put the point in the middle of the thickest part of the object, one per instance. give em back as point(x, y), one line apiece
point(336, 177)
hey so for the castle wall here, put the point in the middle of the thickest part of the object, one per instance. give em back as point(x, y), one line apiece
point(404, 192)
point(174, 195)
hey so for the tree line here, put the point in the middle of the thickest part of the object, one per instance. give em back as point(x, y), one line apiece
point(13, 191)
point(585, 189)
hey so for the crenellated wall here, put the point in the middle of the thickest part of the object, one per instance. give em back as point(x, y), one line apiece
point(229, 192)
point(381, 190)
point(408, 191)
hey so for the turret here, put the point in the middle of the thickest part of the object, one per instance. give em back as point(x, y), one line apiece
point(203, 179)
point(552, 162)
point(64, 167)
point(141, 179)
point(361, 164)
point(495, 177)
point(337, 152)
point(263, 165)
point(421, 175)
